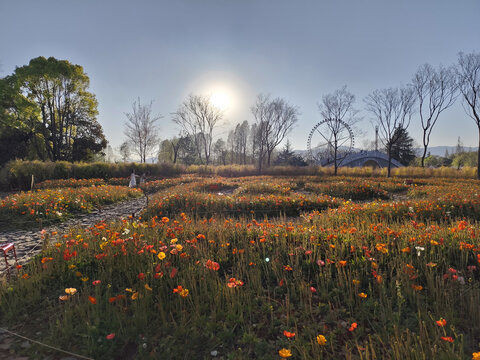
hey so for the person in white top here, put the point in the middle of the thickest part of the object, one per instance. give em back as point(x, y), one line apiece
point(142, 179)
point(133, 181)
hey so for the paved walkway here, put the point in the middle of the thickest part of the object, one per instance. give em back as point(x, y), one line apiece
point(28, 243)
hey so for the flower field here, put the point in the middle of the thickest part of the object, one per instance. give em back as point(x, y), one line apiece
point(71, 183)
point(60, 203)
point(265, 268)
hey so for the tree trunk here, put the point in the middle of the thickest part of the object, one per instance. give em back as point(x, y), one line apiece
point(478, 154)
point(425, 146)
point(390, 161)
point(335, 159)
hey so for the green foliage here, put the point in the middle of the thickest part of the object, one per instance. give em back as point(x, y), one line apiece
point(18, 174)
point(288, 157)
point(402, 148)
point(434, 161)
point(465, 159)
point(46, 103)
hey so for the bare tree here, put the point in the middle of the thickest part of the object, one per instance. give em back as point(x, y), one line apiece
point(230, 146)
point(254, 142)
point(338, 108)
point(275, 119)
point(468, 75)
point(141, 129)
point(237, 141)
point(241, 138)
point(392, 109)
point(436, 91)
point(197, 116)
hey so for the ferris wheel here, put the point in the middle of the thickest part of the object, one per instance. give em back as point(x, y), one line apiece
point(330, 140)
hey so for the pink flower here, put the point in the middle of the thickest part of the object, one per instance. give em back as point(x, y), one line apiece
point(110, 336)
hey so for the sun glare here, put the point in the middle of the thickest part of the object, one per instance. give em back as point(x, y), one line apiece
point(220, 100)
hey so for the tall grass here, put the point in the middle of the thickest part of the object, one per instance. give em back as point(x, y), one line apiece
point(18, 174)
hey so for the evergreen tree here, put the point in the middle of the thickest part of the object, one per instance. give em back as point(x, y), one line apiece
point(402, 149)
point(288, 157)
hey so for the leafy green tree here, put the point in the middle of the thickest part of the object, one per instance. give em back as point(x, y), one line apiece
point(465, 159)
point(47, 100)
point(19, 137)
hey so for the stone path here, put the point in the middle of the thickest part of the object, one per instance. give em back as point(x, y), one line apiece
point(28, 243)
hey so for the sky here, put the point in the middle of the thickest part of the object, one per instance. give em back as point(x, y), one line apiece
point(300, 50)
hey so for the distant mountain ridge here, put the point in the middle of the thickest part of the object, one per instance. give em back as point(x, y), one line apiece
point(440, 150)
point(434, 150)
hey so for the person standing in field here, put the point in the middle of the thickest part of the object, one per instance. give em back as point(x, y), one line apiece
point(133, 181)
point(142, 179)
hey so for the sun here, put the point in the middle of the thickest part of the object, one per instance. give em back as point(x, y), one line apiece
point(220, 100)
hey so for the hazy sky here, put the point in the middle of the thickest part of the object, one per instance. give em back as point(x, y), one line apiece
point(298, 50)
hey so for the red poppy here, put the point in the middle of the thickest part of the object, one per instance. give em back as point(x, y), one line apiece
point(212, 265)
point(288, 334)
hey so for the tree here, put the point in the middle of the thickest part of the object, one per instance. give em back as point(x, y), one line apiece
point(47, 100)
point(275, 119)
point(220, 150)
point(468, 75)
point(392, 109)
point(237, 141)
point(288, 157)
point(241, 139)
point(165, 152)
point(465, 159)
point(124, 150)
point(338, 108)
point(197, 116)
point(436, 91)
point(18, 123)
point(459, 148)
point(230, 145)
point(402, 150)
point(254, 141)
point(187, 152)
point(141, 129)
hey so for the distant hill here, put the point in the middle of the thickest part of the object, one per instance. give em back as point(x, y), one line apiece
point(434, 150)
point(440, 150)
